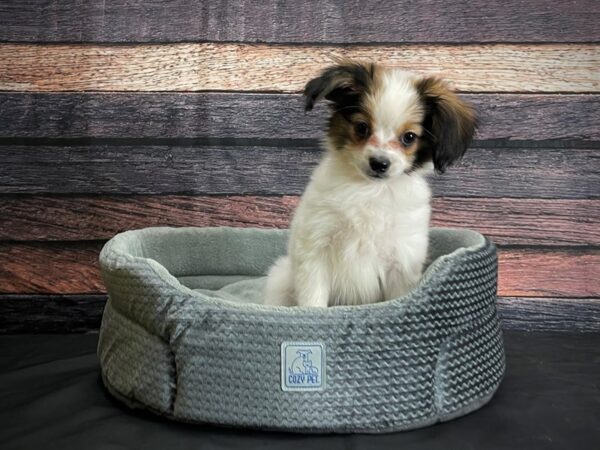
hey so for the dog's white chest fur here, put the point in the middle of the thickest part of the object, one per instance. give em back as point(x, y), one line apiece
point(353, 242)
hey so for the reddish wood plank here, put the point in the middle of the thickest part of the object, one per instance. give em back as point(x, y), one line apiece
point(549, 273)
point(262, 67)
point(50, 268)
point(72, 268)
point(505, 221)
point(192, 115)
point(336, 21)
point(94, 218)
point(523, 221)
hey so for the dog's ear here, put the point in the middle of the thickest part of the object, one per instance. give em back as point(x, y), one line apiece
point(342, 84)
point(450, 123)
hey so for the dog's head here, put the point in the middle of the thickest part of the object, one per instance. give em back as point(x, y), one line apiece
point(386, 122)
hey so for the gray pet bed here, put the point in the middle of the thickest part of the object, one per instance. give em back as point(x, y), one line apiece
point(185, 336)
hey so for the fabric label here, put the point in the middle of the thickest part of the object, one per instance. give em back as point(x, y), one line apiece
point(302, 366)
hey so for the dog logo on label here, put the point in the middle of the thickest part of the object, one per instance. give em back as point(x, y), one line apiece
point(302, 366)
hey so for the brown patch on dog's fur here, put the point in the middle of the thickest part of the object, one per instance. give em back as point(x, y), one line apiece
point(341, 130)
point(449, 124)
point(345, 86)
point(413, 127)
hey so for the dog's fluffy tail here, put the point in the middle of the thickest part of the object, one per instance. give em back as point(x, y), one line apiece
point(279, 287)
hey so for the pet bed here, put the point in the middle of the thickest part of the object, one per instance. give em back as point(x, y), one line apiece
point(184, 335)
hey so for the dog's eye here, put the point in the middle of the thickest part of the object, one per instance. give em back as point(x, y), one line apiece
point(362, 129)
point(408, 139)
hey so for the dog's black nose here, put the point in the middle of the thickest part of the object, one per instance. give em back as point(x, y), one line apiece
point(379, 164)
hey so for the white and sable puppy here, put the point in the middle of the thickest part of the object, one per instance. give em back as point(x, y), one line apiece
point(360, 232)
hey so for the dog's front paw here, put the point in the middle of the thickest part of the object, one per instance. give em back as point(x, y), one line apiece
point(311, 287)
point(313, 299)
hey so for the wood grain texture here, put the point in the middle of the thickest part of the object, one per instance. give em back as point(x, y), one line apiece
point(83, 313)
point(511, 117)
point(335, 21)
point(260, 67)
point(50, 268)
point(581, 315)
point(72, 268)
point(51, 313)
point(80, 162)
point(104, 169)
point(547, 222)
point(549, 273)
point(505, 221)
point(39, 218)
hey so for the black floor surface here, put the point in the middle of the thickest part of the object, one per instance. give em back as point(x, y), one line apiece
point(51, 397)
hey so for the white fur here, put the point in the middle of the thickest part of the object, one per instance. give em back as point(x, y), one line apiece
point(355, 239)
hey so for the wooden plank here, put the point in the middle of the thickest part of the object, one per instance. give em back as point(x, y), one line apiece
point(547, 222)
point(505, 221)
point(43, 218)
point(581, 315)
point(83, 313)
point(50, 268)
point(72, 268)
point(549, 273)
point(50, 313)
point(337, 21)
point(260, 67)
point(104, 169)
point(511, 117)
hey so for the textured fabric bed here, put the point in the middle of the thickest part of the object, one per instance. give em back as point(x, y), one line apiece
point(184, 335)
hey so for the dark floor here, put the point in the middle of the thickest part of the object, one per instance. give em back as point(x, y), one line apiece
point(51, 397)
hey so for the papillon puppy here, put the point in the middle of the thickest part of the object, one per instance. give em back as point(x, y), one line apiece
point(360, 232)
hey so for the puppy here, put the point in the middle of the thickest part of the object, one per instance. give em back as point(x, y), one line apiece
point(360, 232)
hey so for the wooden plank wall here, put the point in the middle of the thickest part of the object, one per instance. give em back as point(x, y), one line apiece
point(120, 115)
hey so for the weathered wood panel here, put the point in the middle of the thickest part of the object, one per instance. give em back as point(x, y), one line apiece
point(72, 268)
point(50, 268)
point(259, 67)
point(80, 166)
point(523, 221)
point(550, 314)
point(92, 217)
point(549, 273)
point(83, 313)
point(520, 117)
point(336, 21)
point(99, 169)
point(50, 313)
point(505, 221)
